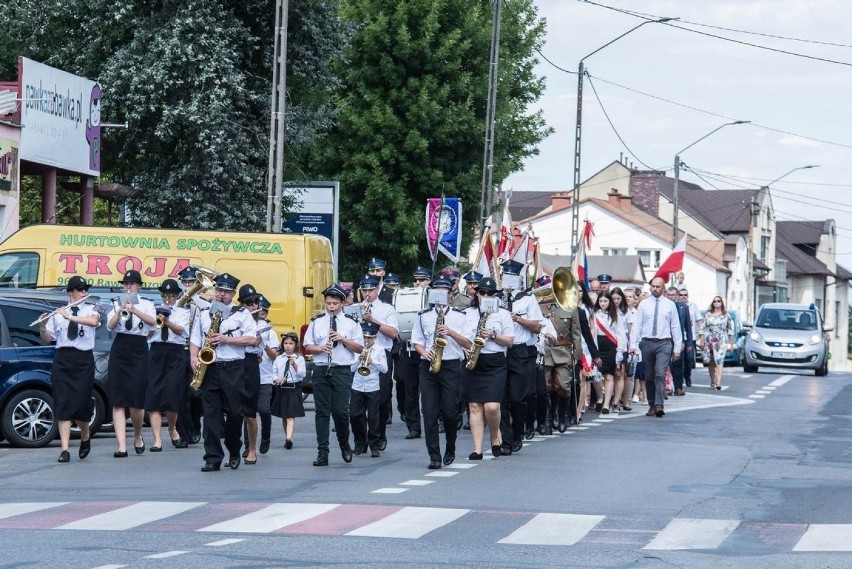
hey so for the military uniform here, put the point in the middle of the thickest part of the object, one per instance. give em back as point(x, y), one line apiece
point(560, 357)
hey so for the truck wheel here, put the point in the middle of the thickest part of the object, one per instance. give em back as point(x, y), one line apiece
point(28, 420)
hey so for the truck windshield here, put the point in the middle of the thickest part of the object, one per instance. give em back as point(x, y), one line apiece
point(19, 270)
point(787, 319)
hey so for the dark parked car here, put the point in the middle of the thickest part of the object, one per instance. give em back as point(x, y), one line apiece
point(26, 400)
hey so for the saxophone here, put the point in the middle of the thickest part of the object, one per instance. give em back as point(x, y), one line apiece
point(479, 341)
point(438, 345)
point(207, 353)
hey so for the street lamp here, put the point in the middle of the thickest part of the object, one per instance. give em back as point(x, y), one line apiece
point(581, 71)
point(808, 167)
point(677, 164)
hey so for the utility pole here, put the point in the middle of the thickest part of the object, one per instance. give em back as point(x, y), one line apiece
point(487, 201)
point(275, 184)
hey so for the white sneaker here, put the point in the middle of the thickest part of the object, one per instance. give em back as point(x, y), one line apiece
point(635, 399)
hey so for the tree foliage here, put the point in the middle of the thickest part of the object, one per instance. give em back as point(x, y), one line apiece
point(412, 117)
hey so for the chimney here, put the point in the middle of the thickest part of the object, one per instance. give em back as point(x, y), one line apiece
point(625, 203)
point(612, 197)
point(645, 190)
point(560, 200)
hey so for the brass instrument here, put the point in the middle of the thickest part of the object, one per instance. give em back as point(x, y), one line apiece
point(479, 341)
point(439, 344)
point(124, 315)
point(66, 307)
point(203, 280)
point(207, 353)
point(563, 290)
point(364, 362)
point(161, 320)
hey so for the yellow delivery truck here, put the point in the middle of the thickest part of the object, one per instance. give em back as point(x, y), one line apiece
point(290, 270)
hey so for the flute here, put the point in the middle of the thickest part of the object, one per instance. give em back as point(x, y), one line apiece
point(66, 307)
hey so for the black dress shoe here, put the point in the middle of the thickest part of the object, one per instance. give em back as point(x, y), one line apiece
point(141, 449)
point(234, 463)
point(288, 444)
point(495, 450)
point(359, 449)
point(176, 443)
point(182, 444)
point(449, 458)
point(322, 459)
point(475, 456)
point(346, 453)
point(659, 412)
point(120, 454)
point(64, 456)
point(264, 446)
point(155, 448)
point(517, 446)
point(435, 464)
point(210, 467)
point(196, 438)
point(383, 444)
point(598, 407)
point(529, 434)
point(85, 447)
point(541, 430)
point(247, 461)
point(375, 453)
point(506, 449)
point(412, 435)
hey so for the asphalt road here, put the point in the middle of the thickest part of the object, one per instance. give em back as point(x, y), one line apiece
point(756, 475)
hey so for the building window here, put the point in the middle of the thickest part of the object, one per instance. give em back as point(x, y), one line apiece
point(610, 252)
point(764, 247)
point(650, 258)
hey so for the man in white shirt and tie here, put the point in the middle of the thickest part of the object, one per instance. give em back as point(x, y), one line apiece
point(657, 334)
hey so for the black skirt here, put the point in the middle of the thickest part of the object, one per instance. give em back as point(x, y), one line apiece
point(167, 385)
point(486, 383)
point(73, 376)
point(606, 351)
point(287, 401)
point(128, 371)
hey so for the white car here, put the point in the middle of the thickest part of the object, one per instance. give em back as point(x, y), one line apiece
point(789, 336)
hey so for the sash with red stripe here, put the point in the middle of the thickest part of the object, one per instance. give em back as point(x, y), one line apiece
point(604, 329)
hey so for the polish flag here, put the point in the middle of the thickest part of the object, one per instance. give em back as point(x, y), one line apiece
point(485, 257)
point(581, 262)
point(522, 251)
point(673, 262)
point(506, 241)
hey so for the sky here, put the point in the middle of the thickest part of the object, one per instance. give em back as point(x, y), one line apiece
point(799, 108)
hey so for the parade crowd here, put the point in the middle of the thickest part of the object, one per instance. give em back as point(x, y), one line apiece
point(516, 360)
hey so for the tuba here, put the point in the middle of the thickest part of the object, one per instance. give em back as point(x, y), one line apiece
point(478, 342)
point(563, 290)
point(207, 353)
point(203, 280)
point(438, 345)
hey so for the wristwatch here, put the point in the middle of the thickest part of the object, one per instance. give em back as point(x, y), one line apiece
point(493, 335)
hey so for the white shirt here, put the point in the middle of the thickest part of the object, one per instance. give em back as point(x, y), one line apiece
point(317, 335)
point(258, 349)
point(138, 328)
point(269, 338)
point(384, 314)
point(548, 328)
point(378, 364)
point(179, 316)
point(423, 332)
point(668, 322)
point(695, 316)
point(239, 323)
point(292, 375)
point(499, 322)
point(527, 308)
point(57, 329)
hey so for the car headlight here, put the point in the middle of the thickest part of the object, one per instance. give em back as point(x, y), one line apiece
point(816, 339)
point(755, 337)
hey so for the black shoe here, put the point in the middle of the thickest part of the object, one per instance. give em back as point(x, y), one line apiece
point(85, 447)
point(196, 438)
point(506, 449)
point(346, 453)
point(689, 383)
point(322, 459)
point(529, 434)
point(245, 453)
point(64, 456)
point(435, 464)
point(247, 461)
point(155, 448)
point(495, 450)
point(475, 456)
point(412, 435)
point(139, 450)
point(517, 446)
point(264, 446)
point(383, 444)
point(120, 454)
point(375, 453)
point(182, 444)
point(542, 430)
point(288, 444)
point(210, 467)
point(449, 458)
point(234, 463)
point(562, 426)
point(598, 407)
point(660, 412)
point(359, 449)
point(176, 443)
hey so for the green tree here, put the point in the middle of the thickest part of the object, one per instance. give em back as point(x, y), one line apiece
point(412, 117)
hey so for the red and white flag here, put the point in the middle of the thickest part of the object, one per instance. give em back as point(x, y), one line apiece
point(507, 237)
point(673, 262)
point(580, 266)
point(484, 262)
point(522, 251)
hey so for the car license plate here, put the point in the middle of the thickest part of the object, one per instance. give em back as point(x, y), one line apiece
point(784, 355)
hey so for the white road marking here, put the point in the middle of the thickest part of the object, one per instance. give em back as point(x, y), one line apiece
point(166, 554)
point(770, 388)
point(745, 376)
point(691, 533)
point(441, 474)
point(462, 466)
point(603, 421)
point(410, 523)
point(782, 380)
point(110, 566)
point(390, 491)
point(416, 482)
point(826, 537)
point(553, 529)
point(16, 509)
point(223, 542)
point(271, 518)
point(131, 516)
point(756, 396)
point(763, 391)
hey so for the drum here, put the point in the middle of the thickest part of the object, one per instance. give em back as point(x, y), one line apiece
point(408, 302)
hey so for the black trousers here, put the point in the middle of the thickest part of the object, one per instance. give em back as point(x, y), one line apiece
point(189, 420)
point(221, 396)
point(440, 395)
point(385, 392)
point(364, 417)
point(332, 391)
point(399, 381)
point(410, 372)
point(520, 381)
point(677, 368)
point(537, 401)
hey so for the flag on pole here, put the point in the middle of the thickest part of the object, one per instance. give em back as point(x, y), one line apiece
point(443, 227)
point(522, 251)
point(506, 239)
point(581, 261)
point(673, 262)
point(483, 263)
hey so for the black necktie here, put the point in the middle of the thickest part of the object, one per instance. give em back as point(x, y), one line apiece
point(73, 327)
point(164, 333)
point(128, 324)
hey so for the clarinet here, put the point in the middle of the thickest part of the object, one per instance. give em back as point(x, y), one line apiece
point(331, 328)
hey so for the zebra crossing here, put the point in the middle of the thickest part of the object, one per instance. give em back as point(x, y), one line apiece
point(410, 522)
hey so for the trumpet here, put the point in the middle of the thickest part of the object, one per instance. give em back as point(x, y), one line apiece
point(124, 315)
point(364, 362)
point(161, 320)
point(66, 307)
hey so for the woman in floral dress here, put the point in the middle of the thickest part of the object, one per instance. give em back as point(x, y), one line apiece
point(716, 338)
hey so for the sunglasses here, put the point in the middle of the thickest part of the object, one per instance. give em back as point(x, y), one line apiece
point(251, 302)
point(79, 288)
point(717, 300)
point(486, 292)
